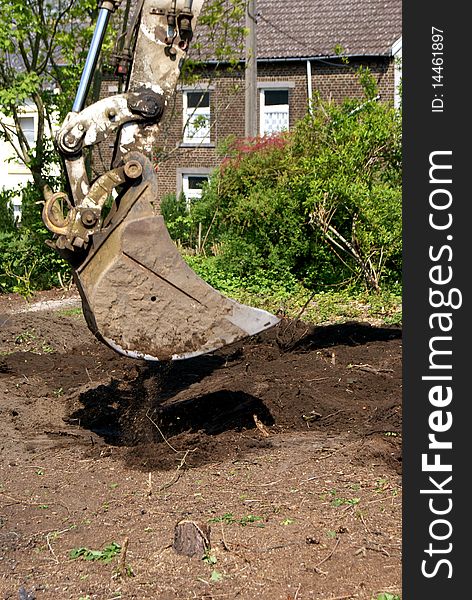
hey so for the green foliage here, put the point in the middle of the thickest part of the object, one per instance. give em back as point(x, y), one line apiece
point(351, 189)
point(7, 222)
point(106, 555)
point(179, 223)
point(26, 262)
point(339, 501)
point(319, 206)
point(216, 576)
point(228, 519)
point(248, 234)
point(22, 87)
point(262, 283)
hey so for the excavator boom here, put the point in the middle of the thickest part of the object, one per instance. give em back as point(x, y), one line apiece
point(138, 294)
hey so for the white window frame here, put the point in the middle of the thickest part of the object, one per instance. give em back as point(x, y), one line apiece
point(277, 108)
point(183, 175)
point(397, 53)
point(192, 193)
point(16, 166)
point(196, 136)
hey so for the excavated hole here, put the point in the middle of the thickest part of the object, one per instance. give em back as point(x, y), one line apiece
point(124, 421)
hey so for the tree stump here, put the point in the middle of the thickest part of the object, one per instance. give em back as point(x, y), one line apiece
point(191, 539)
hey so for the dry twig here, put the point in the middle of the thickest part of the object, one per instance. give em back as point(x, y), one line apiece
point(371, 369)
point(56, 534)
point(161, 434)
point(332, 414)
point(315, 568)
point(178, 473)
point(124, 550)
point(56, 560)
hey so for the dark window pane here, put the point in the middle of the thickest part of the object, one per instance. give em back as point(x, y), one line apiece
point(276, 97)
point(198, 99)
point(196, 182)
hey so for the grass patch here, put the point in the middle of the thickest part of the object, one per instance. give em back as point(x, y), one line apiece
point(327, 307)
point(293, 300)
point(71, 312)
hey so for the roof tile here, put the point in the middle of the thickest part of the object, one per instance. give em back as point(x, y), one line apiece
point(315, 28)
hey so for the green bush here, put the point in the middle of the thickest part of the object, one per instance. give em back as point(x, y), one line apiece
point(319, 206)
point(7, 222)
point(350, 185)
point(26, 262)
point(251, 230)
point(179, 223)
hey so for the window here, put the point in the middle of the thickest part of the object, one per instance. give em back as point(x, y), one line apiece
point(192, 185)
point(16, 205)
point(27, 127)
point(196, 117)
point(274, 111)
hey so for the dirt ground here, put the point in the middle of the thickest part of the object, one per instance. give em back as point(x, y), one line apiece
point(287, 446)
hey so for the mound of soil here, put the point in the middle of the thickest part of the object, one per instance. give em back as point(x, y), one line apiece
point(298, 428)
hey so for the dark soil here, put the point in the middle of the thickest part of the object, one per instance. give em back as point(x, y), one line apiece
point(288, 446)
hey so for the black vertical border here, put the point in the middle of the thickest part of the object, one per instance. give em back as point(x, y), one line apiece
point(424, 132)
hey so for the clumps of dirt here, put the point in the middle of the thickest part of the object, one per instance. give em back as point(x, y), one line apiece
point(377, 450)
point(299, 428)
point(190, 450)
point(343, 378)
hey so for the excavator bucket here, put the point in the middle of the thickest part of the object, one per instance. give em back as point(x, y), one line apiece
point(143, 300)
point(139, 296)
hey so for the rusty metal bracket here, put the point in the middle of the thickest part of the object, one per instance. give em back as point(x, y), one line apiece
point(98, 121)
point(84, 219)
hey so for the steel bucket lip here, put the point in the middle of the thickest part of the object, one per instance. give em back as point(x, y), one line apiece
point(188, 355)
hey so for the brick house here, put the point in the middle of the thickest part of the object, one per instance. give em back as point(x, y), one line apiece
point(296, 57)
point(298, 46)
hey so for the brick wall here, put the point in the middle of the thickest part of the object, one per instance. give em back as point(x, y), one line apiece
point(338, 82)
point(331, 79)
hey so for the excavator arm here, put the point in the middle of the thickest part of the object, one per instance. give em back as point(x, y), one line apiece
point(138, 295)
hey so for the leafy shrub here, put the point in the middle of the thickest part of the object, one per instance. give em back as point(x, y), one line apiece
point(259, 283)
point(320, 205)
point(249, 229)
point(7, 222)
point(26, 262)
point(178, 220)
point(351, 185)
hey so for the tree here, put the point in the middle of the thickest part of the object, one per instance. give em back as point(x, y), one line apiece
point(42, 45)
